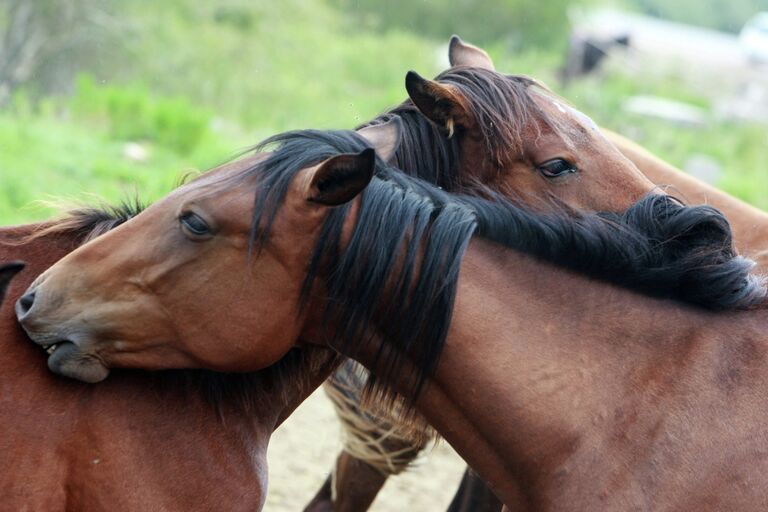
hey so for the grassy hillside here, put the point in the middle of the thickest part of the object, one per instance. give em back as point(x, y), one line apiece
point(193, 82)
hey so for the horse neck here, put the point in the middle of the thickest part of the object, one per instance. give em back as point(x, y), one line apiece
point(749, 224)
point(541, 364)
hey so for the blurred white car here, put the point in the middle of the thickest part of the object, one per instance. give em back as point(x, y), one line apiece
point(754, 37)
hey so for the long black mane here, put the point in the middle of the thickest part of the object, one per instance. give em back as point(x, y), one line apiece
point(398, 271)
point(503, 106)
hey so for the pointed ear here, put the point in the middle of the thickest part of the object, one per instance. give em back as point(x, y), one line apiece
point(385, 137)
point(465, 54)
point(342, 177)
point(7, 272)
point(439, 103)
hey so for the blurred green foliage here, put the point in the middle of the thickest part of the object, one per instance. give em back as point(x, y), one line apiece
point(728, 15)
point(132, 113)
point(192, 83)
point(517, 23)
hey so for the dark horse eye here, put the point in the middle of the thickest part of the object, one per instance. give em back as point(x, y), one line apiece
point(556, 168)
point(194, 223)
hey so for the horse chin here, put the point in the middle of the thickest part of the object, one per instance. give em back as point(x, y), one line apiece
point(68, 360)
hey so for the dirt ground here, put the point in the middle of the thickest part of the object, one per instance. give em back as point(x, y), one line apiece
point(302, 450)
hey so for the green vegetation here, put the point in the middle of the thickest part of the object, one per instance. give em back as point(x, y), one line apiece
point(729, 16)
point(146, 95)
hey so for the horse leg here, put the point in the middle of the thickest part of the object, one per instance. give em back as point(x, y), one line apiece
point(323, 500)
point(473, 495)
point(376, 445)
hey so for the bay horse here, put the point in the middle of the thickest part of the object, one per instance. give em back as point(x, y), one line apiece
point(470, 125)
point(359, 472)
point(92, 448)
point(553, 351)
point(191, 440)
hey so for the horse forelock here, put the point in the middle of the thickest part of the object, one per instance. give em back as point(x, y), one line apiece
point(506, 114)
point(505, 111)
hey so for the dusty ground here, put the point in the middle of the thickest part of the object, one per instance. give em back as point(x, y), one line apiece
point(302, 450)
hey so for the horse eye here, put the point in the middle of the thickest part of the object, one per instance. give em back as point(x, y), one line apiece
point(556, 168)
point(194, 223)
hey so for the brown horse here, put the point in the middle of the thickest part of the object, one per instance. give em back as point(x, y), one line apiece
point(474, 125)
point(162, 441)
point(91, 448)
point(523, 375)
point(358, 477)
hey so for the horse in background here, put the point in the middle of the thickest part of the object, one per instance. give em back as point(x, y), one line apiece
point(86, 448)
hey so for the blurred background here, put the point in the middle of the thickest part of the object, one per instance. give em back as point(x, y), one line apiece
point(122, 97)
point(116, 97)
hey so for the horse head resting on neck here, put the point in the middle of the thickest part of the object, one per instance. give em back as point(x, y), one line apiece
point(335, 246)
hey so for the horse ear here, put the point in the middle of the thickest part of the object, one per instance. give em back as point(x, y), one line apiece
point(384, 137)
point(440, 103)
point(465, 54)
point(342, 177)
point(7, 272)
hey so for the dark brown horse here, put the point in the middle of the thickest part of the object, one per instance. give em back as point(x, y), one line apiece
point(92, 448)
point(523, 374)
point(158, 441)
point(359, 473)
point(473, 125)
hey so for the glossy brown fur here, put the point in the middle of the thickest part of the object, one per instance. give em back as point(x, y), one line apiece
point(564, 393)
point(70, 446)
point(139, 442)
point(503, 142)
point(540, 129)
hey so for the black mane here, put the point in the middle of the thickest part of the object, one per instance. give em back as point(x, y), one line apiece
point(503, 106)
point(410, 237)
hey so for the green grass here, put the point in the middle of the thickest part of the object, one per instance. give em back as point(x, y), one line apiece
point(45, 158)
point(195, 82)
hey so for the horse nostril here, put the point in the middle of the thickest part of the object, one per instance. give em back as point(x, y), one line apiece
point(24, 304)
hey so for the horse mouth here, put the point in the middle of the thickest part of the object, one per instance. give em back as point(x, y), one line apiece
point(66, 346)
point(52, 347)
point(68, 359)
